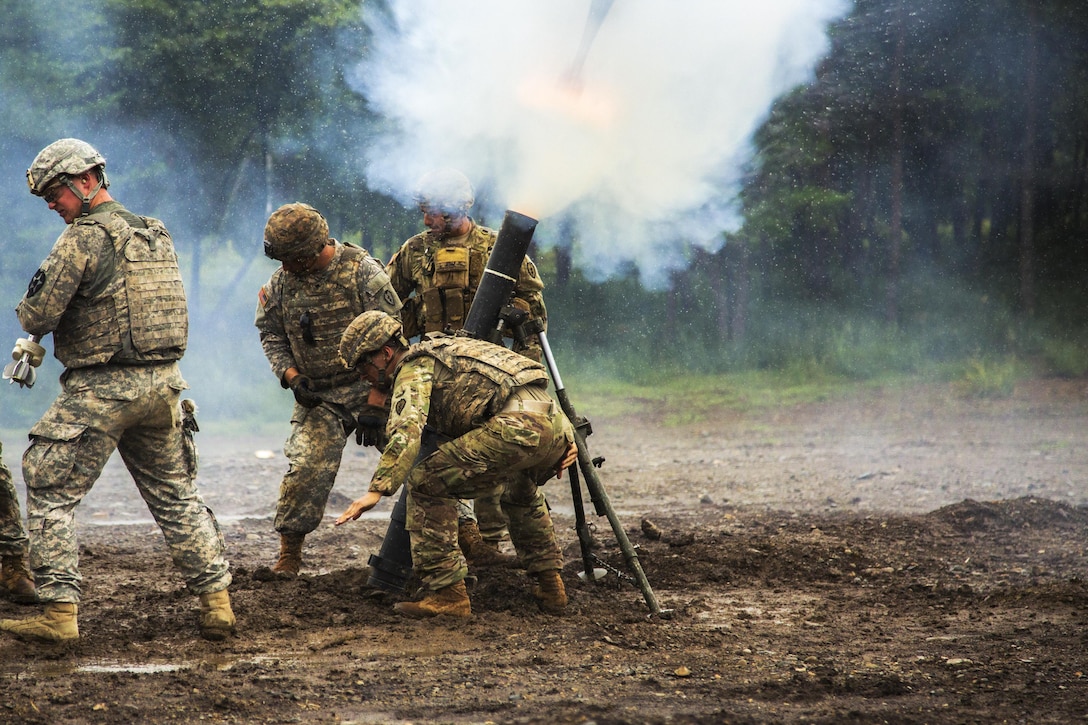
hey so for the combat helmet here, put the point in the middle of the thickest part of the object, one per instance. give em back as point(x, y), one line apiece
point(295, 231)
point(58, 162)
point(445, 190)
point(366, 334)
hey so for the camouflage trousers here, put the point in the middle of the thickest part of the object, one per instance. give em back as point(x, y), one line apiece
point(314, 450)
point(13, 539)
point(510, 455)
point(134, 410)
point(486, 511)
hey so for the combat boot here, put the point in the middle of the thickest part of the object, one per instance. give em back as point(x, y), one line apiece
point(477, 550)
point(451, 600)
point(549, 592)
point(15, 577)
point(290, 554)
point(216, 616)
point(56, 624)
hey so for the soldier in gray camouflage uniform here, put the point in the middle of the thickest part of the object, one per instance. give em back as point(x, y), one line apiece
point(436, 273)
point(14, 575)
point(302, 312)
point(503, 434)
point(111, 293)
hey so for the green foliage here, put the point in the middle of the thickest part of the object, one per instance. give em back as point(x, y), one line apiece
point(983, 378)
point(683, 399)
point(1065, 358)
point(246, 106)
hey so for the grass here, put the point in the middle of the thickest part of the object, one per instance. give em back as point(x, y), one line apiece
point(685, 399)
point(983, 378)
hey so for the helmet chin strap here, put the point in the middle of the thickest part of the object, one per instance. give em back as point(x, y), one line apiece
point(86, 208)
point(383, 383)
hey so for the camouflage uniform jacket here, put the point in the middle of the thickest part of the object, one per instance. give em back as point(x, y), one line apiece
point(438, 279)
point(453, 383)
point(109, 291)
point(301, 317)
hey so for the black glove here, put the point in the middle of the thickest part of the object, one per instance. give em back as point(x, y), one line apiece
point(370, 426)
point(304, 394)
point(370, 431)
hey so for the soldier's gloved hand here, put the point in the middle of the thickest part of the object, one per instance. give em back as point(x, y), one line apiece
point(370, 427)
point(302, 387)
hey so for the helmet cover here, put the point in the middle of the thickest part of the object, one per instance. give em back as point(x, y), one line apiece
point(63, 158)
point(295, 231)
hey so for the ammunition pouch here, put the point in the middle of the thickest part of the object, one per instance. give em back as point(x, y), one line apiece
point(444, 300)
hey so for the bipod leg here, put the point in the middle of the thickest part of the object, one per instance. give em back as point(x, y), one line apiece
point(601, 502)
point(597, 494)
point(581, 526)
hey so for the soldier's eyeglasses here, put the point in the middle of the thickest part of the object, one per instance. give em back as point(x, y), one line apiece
point(53, 193)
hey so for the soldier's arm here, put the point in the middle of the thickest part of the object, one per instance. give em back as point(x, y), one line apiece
point(273, 334)
point(408, 410)
point(378, 290)
point(530, 289)
point(57, 280)
point(399, 270)
point(529, 295)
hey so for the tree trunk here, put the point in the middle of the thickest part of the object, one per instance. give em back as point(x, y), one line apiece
point(738, 322)
point(895, 232)
point(1027, 169)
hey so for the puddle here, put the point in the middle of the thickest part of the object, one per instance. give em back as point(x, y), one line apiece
point(53, 669)
point(135, 669)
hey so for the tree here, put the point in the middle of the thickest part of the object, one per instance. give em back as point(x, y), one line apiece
point(237, 86)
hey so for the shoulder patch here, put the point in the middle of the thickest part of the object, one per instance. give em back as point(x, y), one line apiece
point(262, 296)
point(36, 283)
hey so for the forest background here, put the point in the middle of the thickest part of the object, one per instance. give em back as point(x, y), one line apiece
point(917, 204)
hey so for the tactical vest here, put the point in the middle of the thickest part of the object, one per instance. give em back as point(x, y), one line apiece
point(317, 309)
point(454, 275)
point(141, 315)
point(473, 380)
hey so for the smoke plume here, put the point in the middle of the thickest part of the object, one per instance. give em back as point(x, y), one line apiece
point(634, 158)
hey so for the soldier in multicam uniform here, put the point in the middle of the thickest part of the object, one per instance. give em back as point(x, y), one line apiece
point(503, 435)
point(14, 575)
point(302, 312)
point(436, 273)
point(111, 293)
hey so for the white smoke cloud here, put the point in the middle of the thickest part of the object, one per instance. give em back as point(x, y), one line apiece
point(641, 160)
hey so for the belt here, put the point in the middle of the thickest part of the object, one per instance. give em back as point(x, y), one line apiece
point(335, 381)
point(515, 404)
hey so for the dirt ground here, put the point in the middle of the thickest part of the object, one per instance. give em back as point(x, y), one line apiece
point(898, 555)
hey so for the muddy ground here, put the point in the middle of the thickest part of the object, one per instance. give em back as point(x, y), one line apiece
point(895, 555)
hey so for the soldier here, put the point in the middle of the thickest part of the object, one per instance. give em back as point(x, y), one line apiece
point(14, 575)
point(502, 435)
point(111, 293)
point(303, 310)
point(436, 273)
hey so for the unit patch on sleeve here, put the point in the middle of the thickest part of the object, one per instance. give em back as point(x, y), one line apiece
point(36, 283)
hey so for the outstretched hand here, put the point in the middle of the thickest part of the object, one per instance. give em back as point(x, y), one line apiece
point(359, 506)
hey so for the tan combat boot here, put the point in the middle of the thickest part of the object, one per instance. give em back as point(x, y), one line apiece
point(478, 551)
point(549, 591)
point(56, 624)
point(15, 577)
point(216, 616)
point(451, 600)
point(290, 554)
